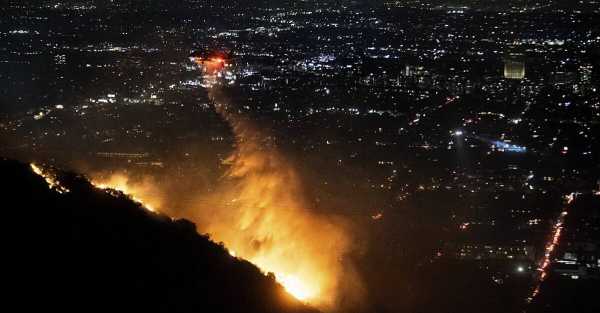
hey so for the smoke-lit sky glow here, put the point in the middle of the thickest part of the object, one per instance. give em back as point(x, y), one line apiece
point(259, 213)
point(140, 192)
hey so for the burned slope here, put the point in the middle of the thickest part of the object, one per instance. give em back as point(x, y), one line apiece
point(87, 250)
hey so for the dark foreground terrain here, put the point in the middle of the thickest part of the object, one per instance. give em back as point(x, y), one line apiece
point(89, 251)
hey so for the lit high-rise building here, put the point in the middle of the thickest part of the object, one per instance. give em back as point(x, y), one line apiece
point(585, 72)
point(514, 66)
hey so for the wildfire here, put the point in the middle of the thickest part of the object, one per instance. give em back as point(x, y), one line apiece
point(211, 65)
point(257, 210)
point(296, 287)
point(259, 213)
point(293, 274)
point(138, 192)
point(50, 179)
point(280, 240)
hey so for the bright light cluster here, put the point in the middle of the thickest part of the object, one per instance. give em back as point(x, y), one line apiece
point(123, 189)
point(551, 247)
point(50, 179)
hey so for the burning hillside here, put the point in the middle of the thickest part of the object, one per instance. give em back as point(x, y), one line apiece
point(259, 212)
point(77, 248)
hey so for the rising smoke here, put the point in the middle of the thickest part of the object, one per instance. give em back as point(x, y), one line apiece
point(259, 212)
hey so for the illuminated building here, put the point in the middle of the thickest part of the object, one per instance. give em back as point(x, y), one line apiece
point(413, 70)
point(514, 66)
point(585, 72)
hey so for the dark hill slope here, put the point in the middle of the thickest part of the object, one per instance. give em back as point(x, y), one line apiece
point(88, 251)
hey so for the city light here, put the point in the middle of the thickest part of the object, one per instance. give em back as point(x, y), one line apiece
point(550, 247)
point(350, 151)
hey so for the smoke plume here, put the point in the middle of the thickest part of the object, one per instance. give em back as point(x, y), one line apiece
point(258, 210)
point(259, 213)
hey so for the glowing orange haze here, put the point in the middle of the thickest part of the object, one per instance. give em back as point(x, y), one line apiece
point(210, 65)
point(144, 191)
point(259, 213)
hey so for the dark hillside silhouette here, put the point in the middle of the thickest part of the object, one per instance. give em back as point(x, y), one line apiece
point(88, 251)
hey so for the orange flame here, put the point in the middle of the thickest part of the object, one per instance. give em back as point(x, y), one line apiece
point(50, 179)
point(259, 212)
point(210, 65)
point(143, 192)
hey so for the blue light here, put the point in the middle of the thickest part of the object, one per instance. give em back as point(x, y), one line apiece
point(509, 147)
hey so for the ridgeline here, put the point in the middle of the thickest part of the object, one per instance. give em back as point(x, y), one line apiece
point(89, 251)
